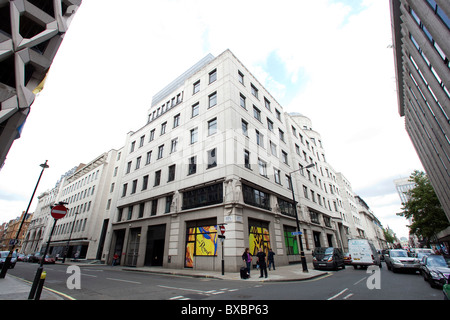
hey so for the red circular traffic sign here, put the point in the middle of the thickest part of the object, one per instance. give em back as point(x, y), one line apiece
point(222, 229)
point(58, 212)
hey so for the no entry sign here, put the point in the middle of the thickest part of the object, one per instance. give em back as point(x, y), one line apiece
point(222, 229)
point(58, 212)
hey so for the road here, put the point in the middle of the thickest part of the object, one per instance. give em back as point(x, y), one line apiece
point(112, 283)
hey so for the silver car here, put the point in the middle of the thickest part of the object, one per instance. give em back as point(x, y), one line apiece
point(4, 255)
point(398, 259)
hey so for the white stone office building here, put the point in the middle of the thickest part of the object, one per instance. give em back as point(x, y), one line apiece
point(88, 191)
point(218, 149)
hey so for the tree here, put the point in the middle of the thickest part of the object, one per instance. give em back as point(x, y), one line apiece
point(424, 208)
point(389, 238)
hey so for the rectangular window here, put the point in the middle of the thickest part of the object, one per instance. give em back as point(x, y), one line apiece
point(134, 186)
point(194, 135)
point(176, 121)
point(154, 207)
point(269, 124)
point(273, 149)
point(286, 207)
point(212, 76)
point(141, 142)
point(256, 197)
point(130, 212)
point(257, 113)
point(259, 138)
point(141, 210)
point(171, 173)
point(240, 77)
point(242, 101)
point(192, 165)
point(212, 158)
point(247, 159)
point(163, 128)
point(168, 203)
point(254, 90)
point(138, 162)
point(276, 174)
point(152, 135)
point(145, 183)
point(245, 128)
point(149, 157)
point(196, 87)
point(124, 189)
point(212, 100)
point(212, 126)
point(173, 145)
point(160, 151)
point(262, 167)
point(129, 167)
point(201, 240)
point(266, 103)
point(157, 178)
point(204, 196)
point(195, 109)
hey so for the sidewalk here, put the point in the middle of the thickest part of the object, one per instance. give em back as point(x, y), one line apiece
point(13, 288)
point(284, 273)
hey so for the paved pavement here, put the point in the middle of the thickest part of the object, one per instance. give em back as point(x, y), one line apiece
point(13, 288)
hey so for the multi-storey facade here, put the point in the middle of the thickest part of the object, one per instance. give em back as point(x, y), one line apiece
point(370, 224)
point(218, 149)
point(421, 34)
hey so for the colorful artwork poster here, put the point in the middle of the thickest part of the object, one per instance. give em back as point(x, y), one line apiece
point(201, 241)
point(206, 241)
point(259, 238)
point(290, 242)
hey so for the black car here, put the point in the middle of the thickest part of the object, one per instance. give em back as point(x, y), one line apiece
point(434, 268)
point(328, 258)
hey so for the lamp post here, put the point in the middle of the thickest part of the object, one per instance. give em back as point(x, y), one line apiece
point(302, 253)
point(8, 259)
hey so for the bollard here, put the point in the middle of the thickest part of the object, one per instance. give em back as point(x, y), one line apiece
point(40, 285)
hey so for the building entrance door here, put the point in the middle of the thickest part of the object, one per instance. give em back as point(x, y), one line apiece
point(133, 246)
point(154, 253)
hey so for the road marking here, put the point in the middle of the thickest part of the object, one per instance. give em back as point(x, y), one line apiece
point(337, 295)
point(359, 281)
point(348, 296)
point(123, 280)
point(201, 291)
point(88, 275)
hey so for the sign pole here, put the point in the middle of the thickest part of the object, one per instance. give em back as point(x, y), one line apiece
point(57, 212)
point(222, 239)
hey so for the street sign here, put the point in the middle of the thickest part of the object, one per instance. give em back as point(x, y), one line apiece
point(222, 229)
point(58, 212)
point(296, 233)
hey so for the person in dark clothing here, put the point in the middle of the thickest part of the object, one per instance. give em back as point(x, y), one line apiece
point(271, 259)
point(262, 262)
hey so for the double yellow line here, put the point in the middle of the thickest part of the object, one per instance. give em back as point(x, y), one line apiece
point(51, 290)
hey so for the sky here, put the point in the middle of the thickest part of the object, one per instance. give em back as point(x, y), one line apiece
point(330, 60)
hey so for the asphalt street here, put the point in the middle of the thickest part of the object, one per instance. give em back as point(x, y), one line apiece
point(112, 283)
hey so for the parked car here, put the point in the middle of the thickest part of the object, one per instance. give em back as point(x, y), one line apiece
point(347, 258)
point(328, 258)
point(397, 259)
point(34, 257)
point(4, 255)
point(363, 253)
point(21, 257)
point(435, 268)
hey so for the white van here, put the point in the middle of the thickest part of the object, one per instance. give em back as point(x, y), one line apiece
point(363, 253)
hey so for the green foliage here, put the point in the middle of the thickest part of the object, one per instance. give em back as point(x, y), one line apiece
point(428, 217)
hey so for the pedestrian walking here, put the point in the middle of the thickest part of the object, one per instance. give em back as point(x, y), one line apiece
point(262, 263)
point(247, 257)
point(270, 258)
point(115, 259)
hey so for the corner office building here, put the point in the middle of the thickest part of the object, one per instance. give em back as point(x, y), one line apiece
point(421, 33)
point(218, 149)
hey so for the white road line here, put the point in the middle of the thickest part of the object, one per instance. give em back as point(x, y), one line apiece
point(348, 296)
point(175, 298)
point(201, 291)
point(337, 295)
point(123, 280)
point(359, 281)
point(88, 275)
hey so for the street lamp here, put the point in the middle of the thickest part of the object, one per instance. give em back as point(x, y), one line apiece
point(302, 253)
point(8, 259)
